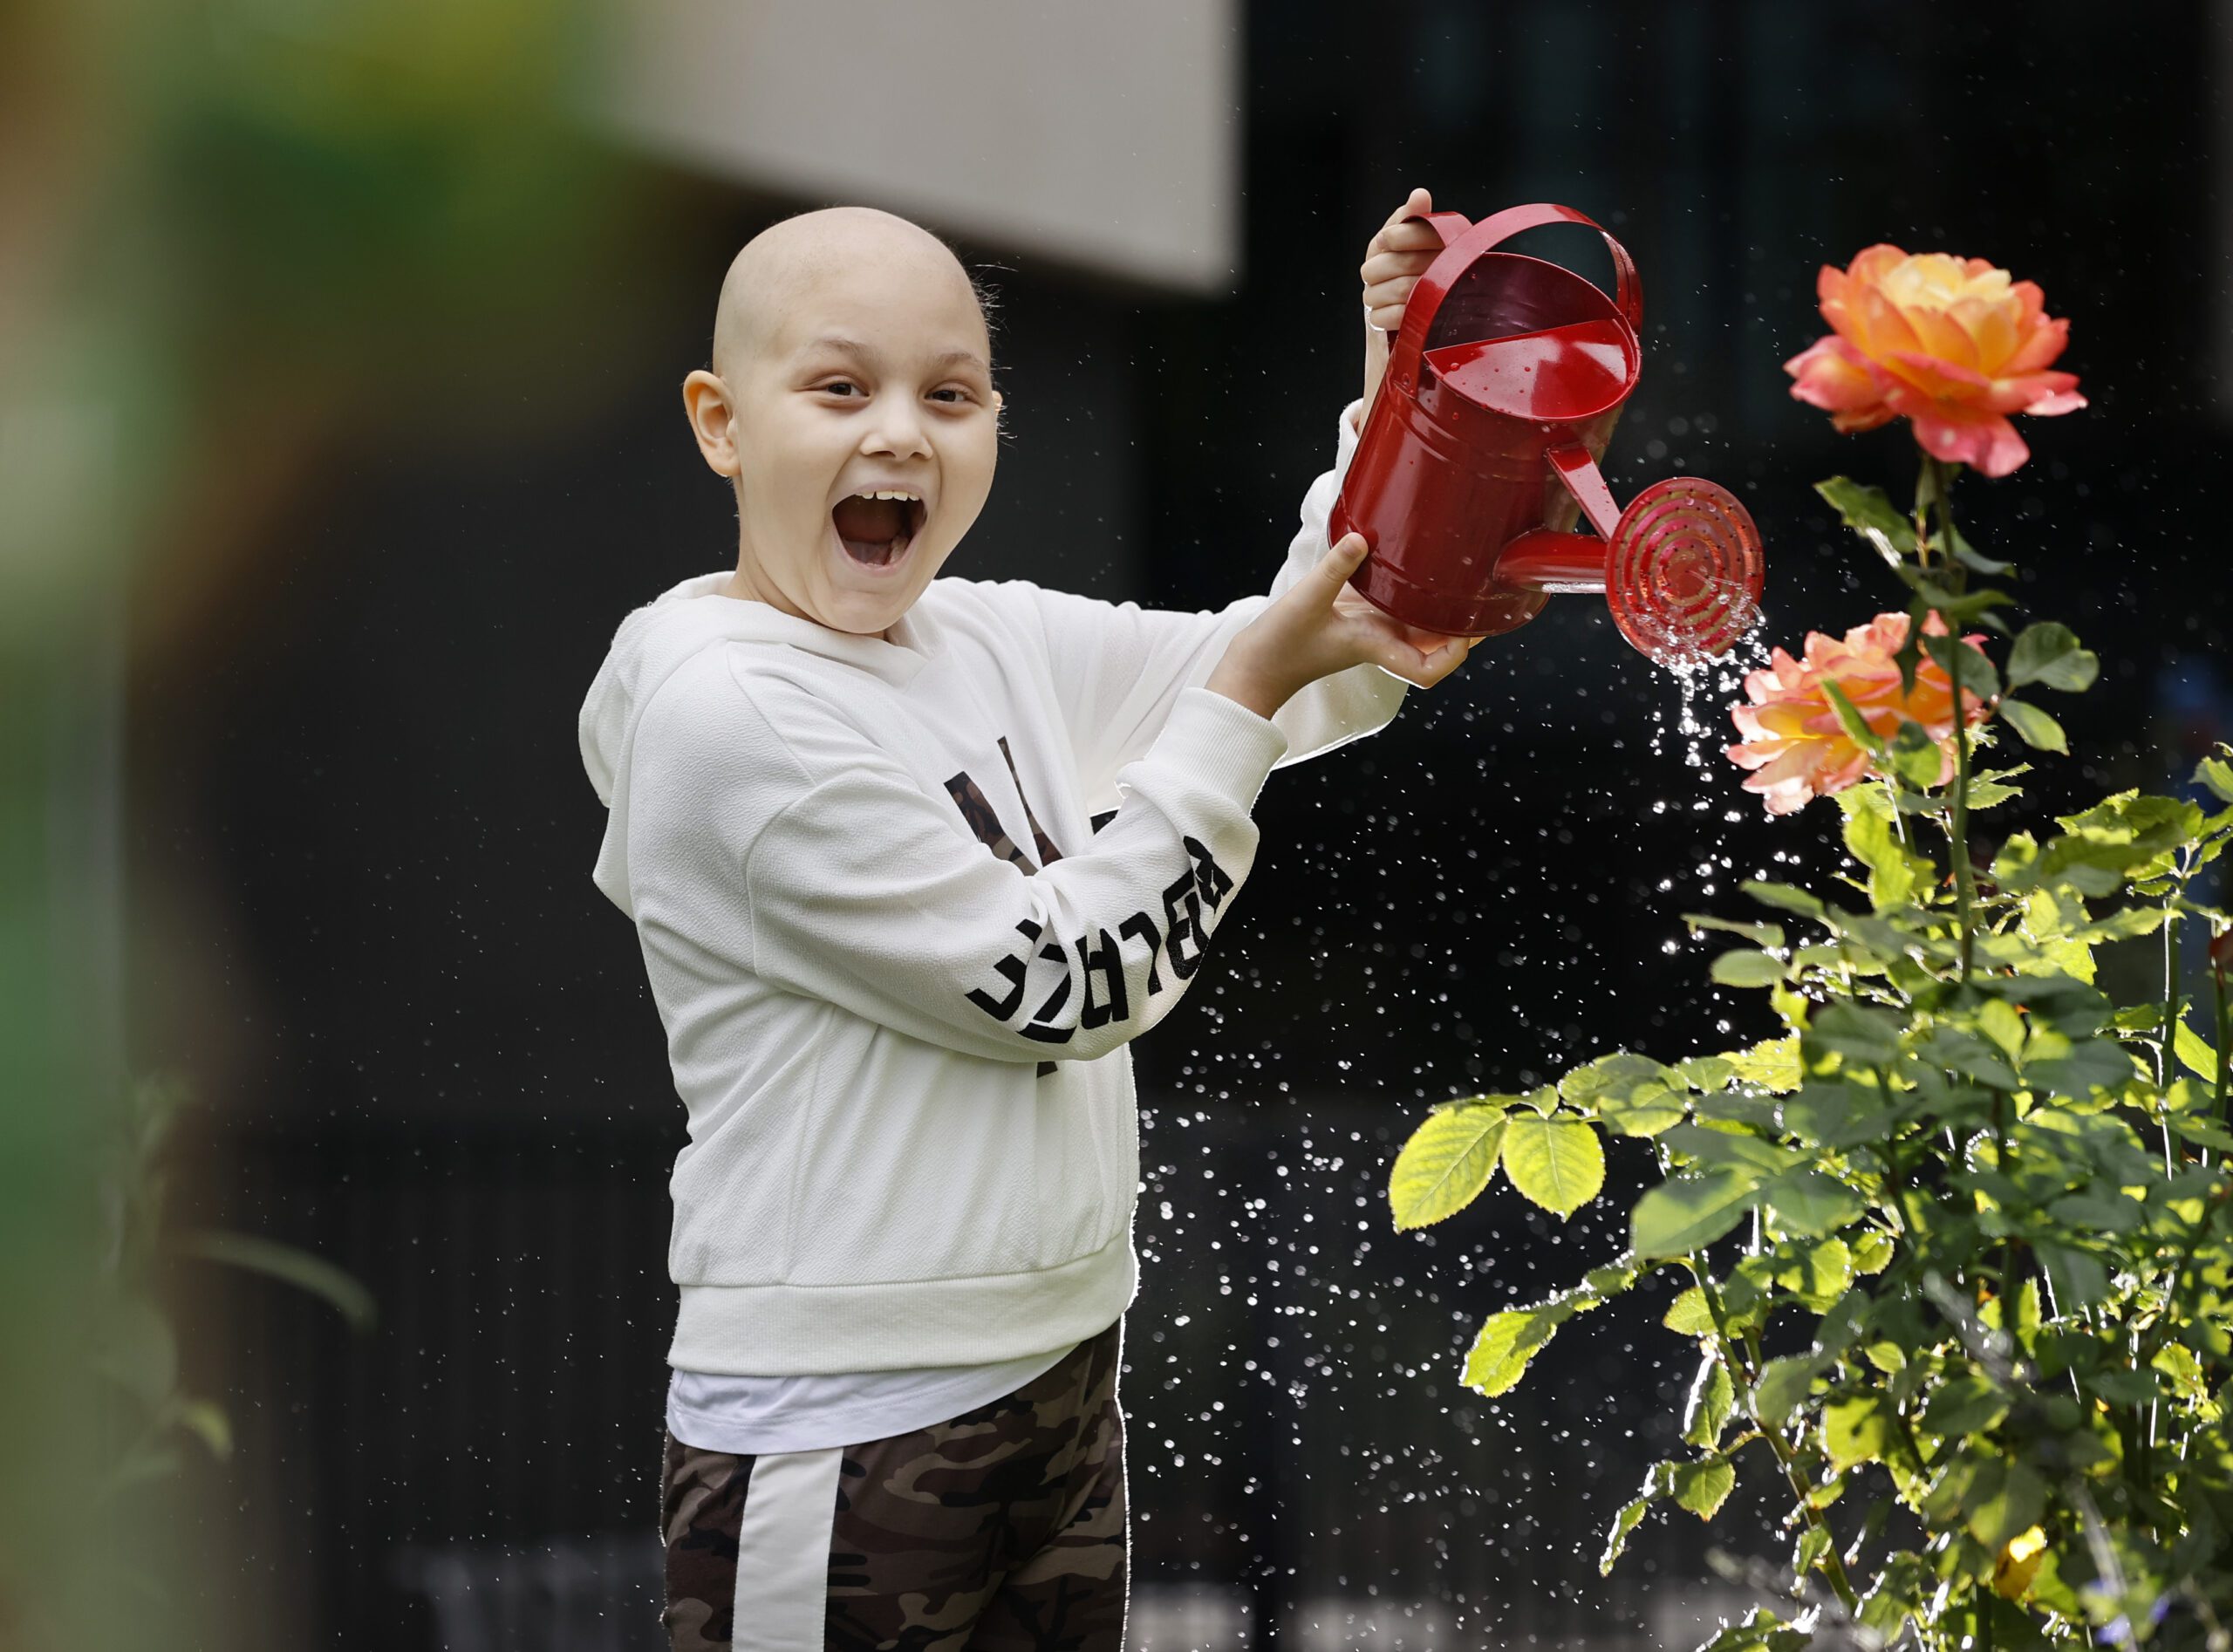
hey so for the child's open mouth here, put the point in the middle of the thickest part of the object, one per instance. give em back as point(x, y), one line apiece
point(877, 528)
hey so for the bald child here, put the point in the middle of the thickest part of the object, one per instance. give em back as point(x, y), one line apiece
point(851, 803)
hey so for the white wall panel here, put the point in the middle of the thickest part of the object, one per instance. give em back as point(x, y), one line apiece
point(1102, 134)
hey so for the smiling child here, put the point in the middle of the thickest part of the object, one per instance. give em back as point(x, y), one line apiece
point(851, 814)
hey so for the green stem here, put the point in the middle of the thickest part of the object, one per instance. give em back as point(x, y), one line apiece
point(2224, 1043)
point(1746, 1373)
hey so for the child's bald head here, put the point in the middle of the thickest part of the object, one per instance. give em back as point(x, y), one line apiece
point(785, 261)
point(851, 404)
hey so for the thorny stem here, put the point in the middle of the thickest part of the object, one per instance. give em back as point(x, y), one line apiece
point(1743, 1367)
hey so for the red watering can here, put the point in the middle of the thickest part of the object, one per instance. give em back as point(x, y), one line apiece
point(1502, 388)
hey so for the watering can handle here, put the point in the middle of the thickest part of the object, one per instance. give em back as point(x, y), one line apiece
point(1462, 243)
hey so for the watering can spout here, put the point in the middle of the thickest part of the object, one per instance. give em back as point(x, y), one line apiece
point(1680, 568)
point(1503, 383)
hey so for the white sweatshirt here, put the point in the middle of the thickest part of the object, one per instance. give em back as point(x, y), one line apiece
point(897, 970)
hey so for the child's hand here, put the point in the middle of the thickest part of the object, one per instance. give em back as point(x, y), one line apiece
point(1394, 260)
point(1320, 626)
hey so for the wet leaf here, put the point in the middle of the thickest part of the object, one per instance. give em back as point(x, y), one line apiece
point(1687, 1314)
point(1443, 1167)
point(1712, 1396)
point(1507, 1341)
point(1658, 1482)
point(1701, 1487)
point(2195, 1055)
point(1811, 1202)
point(1870, 514)
point(1773, 1064)
point(1857, 1428)
point(1784, 1385)
point(1743, 968)
point(1692, 1212)
point(1787, 897)
point(2048, 654)
point(2034, 726)
point(1963, 1405)
point(1557, 1163)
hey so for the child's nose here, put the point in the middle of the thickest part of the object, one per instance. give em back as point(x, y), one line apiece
point(898, 430)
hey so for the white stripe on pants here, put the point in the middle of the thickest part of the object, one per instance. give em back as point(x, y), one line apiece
point(782, 1551)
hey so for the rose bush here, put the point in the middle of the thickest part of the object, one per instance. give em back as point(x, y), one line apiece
point(1950, 344)
point(1956, 1247)
point(1794, 742)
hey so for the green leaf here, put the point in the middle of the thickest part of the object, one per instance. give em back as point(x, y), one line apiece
point(2121, 1385)
point(1657, 1482)
point(2097, 1212)
point(2000, 1506)
point(1963, 664)
point(1855, 1429)
point(1767, 935)
point(1711, 1147)
point(2049, 654)
point(1712, 1396)
point(1692, 1212)
point(1508, 1340)
point(2196, 1056)
point(1703, 1487)
point(1864, 1036)
point(1705, 1073)
point(1872, 1251)
point(1446, 1165)
point(2078, 1277)
point(1963, 1405)
point(2217, 775)
point(1869, 513)
point(1818, 1274)
point(2037, 729)
point(1893, 873)
point(1991, 788)
point(1782, 1387)
point(1787, 897)
point(1916, 756)
point(1558, 1162)
point(1743, 968)
point(313, 1275)
point(1688, 1315)
point(1850, 720)
point(1811, 1202)
point(1773, 1064)
point(1634, 1094)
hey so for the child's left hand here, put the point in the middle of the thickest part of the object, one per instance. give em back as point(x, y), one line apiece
point(1394, 260)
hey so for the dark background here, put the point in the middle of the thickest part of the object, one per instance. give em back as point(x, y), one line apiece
point(433, 1056)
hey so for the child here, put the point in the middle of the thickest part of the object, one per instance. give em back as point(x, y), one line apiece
point(899, 971)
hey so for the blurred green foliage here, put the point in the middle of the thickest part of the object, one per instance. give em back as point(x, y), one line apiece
point(231, 232)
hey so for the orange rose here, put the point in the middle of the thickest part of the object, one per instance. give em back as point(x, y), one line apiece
point(1794, 744)
point(1948, 343)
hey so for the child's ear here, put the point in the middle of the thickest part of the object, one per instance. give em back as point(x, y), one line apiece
point(712, 419)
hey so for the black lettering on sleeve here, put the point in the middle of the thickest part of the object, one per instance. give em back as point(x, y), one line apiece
point(1108, 963)
point(1141, 925)
point(1181, 914)
point(1009, 969)
point(1039, 1030)
point(1211, 880)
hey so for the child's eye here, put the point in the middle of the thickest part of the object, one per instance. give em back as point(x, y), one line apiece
point(953, 394)
point(841, 387)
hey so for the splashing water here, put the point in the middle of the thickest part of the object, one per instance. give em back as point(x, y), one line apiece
point(1708, 685)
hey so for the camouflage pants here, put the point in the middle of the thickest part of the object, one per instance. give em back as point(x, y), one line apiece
point(1000, 1531)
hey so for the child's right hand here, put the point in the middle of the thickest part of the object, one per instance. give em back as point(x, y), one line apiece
point(1320, 625)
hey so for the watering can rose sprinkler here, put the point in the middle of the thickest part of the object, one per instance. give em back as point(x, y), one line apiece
point(1503, 384)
